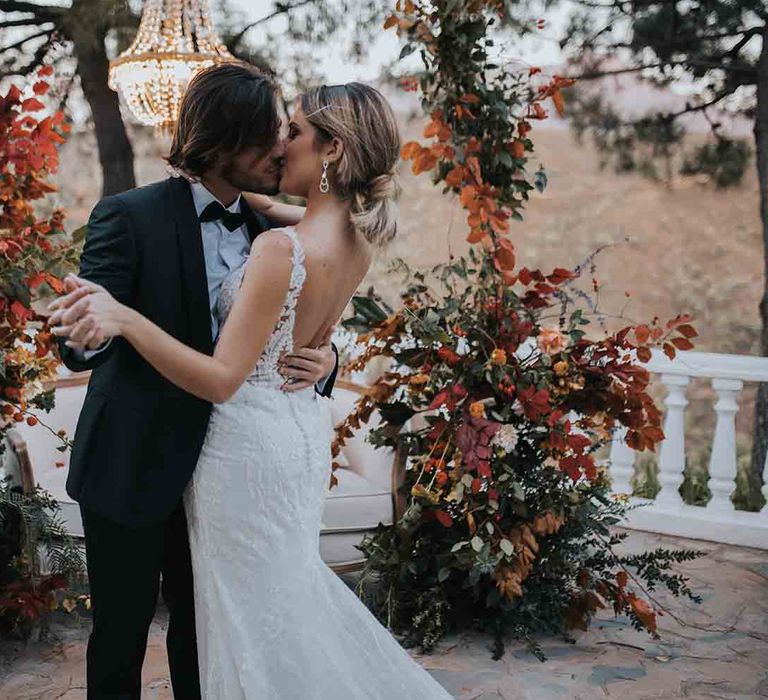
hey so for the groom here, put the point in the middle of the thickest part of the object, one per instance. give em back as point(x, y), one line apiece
point(164, 249)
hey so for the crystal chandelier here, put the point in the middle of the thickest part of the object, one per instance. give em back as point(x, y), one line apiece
point(176, 39)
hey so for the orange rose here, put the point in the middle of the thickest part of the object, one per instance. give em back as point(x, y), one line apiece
point(551, 340)
point(499, 357)
point(477, 410)
point(560, 367)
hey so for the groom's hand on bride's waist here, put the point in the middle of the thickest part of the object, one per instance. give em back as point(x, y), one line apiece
point(307, 367)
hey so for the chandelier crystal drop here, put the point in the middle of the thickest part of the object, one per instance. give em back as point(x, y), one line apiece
point(176, 39)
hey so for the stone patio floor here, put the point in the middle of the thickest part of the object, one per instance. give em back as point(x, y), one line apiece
point(716, 650)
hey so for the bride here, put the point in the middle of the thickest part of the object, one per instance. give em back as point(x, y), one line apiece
point(273, 621)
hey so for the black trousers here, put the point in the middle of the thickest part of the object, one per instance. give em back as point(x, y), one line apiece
point(124, 569)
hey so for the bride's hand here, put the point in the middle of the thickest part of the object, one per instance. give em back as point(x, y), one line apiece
point(88, 315)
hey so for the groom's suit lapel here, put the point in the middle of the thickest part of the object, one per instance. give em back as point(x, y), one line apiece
point(194, 278)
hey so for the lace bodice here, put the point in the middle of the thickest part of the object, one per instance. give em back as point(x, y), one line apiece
point(281, 340)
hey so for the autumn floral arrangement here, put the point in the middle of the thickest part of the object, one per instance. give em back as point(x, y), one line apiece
point(496, 399)
point(34, 253)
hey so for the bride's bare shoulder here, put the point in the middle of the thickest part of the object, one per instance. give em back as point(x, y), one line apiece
point(275, 241)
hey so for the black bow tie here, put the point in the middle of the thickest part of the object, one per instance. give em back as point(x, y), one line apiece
point(215, 211)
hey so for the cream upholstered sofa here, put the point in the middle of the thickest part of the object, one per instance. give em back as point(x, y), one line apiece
point(363, 497)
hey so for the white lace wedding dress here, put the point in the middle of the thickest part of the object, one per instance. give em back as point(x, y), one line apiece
point(273, 621)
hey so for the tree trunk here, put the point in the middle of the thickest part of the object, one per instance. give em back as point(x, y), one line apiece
point(115, 151)
point(760, 444)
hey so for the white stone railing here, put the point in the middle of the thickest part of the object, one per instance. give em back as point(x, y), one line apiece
point(718, 521)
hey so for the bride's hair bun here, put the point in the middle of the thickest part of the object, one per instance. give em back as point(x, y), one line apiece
point(360, 117)
point(374, 209)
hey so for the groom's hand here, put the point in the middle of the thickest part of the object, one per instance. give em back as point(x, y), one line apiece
point(308, 366)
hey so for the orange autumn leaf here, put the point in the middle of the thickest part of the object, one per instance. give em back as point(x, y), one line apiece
point(518, 149)
point(471, 98)
point(391, 21)
point(455, 176)
point(644, 612)
point(476, 235)
point(424, 161)
point(474, 167)
point(499, 223)
point(557, 99)
point(505, 254)
point(642, 333)
point(410, 150)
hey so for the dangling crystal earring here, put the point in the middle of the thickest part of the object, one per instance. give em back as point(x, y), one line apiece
point(324, 186)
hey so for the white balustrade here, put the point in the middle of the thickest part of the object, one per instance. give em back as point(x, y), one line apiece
point(622, 462)
point(672, 451)
point(718, 521)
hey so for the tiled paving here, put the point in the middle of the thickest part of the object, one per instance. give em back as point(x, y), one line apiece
point(716, 650)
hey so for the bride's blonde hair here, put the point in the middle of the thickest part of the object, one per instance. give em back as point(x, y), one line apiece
point(360, 117)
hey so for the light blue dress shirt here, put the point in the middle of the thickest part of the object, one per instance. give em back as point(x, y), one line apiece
point(224, 250)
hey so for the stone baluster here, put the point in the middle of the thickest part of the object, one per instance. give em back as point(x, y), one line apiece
point(722, 463)
point(622, 462)
point(672, 453)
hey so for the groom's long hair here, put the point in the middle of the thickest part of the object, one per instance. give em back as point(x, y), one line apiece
point(226, 108)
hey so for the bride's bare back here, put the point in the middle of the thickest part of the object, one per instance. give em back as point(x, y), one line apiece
point(336, 263)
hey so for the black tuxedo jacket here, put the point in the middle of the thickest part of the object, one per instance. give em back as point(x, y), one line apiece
point(138, 437)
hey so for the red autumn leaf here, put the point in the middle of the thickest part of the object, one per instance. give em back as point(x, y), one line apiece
point(476, 483)
point(622, 578)
point(505, 254)
point(36, 280)
point(669, 350)
point(443, 518)
point(682, 343)
point(518, 149)
point(642, 333)
point(45, 71)
point(687, 330)
point(40, 87)
point(644, 354)
point(32, 105)
point(560, 275)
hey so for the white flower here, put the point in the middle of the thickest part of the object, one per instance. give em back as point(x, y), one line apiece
point(517, 408)
point(506, 438)
point(462, 346)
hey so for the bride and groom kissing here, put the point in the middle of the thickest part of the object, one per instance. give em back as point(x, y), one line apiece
point(202, 453)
